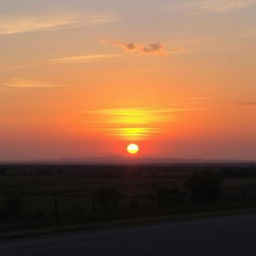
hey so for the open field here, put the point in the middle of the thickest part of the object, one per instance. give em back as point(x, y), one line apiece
point(34, 196)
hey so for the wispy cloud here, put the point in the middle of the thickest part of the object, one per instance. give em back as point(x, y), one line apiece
point(174, 51)
point(128, 123)
point(130, 115)
point(131, 133)
point(211, 6)
point(23, 83)
point(157, 48)
point(152, 48)
point(131, 123)
point(83, 58)
point(246, 104)
point(136, 111)
point(21, 23)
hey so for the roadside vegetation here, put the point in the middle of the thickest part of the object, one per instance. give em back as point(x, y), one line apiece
point(34, 196)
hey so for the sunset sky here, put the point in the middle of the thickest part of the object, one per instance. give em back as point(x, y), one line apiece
point(84, 78)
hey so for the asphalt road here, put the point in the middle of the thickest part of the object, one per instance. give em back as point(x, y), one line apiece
point(234, 236)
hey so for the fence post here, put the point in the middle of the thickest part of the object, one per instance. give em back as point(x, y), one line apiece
point(57, 211)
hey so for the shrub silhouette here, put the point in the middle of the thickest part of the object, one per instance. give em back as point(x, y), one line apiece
point(107, 199)
point(2, 171)
point(134, 203)
point(4, 214)
point(166, 197)
point(14, 203)
point(204, 187)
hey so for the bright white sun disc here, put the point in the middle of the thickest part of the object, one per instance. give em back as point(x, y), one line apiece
point(133, 149)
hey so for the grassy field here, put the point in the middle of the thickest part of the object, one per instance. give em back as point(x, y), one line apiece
point(34, 196)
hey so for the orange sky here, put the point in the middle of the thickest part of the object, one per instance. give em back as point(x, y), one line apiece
point(90, 77)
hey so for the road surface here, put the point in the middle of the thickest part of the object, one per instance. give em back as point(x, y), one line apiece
point(226, 236)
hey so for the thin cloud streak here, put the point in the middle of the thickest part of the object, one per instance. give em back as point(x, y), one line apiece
point(136, 115)
point(131, 123)
point(211, 6)
point(133, 133)
point(22, 83)
point(20, 24)
point(83, 58)
point(174, 51)
point(246, 104)
point(137, 111)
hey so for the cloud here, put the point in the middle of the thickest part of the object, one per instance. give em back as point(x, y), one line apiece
point(135, 111)
point(145, 49)
point(173, 51)
point(22, 83)
point(149, 49)
point(156, 49)
point(212, 6)
point(131, 123)
point(82, 58)
point(21, 24)
point(137, 115)
point(246, 104)
point(131, 133)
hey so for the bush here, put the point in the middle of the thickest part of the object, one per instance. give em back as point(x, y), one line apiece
point(166, 197)
point(107, 199)
point(4, 214)
point(203, 187)
point(13, 201)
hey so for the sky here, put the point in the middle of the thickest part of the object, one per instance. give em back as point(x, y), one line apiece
point(84, 78)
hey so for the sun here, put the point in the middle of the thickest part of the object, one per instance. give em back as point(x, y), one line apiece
point(133, 149)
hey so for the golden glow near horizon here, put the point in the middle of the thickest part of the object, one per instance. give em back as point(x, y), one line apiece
point(133, 149)
point(131, 123)
point(136, 133)
point(136, 115)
